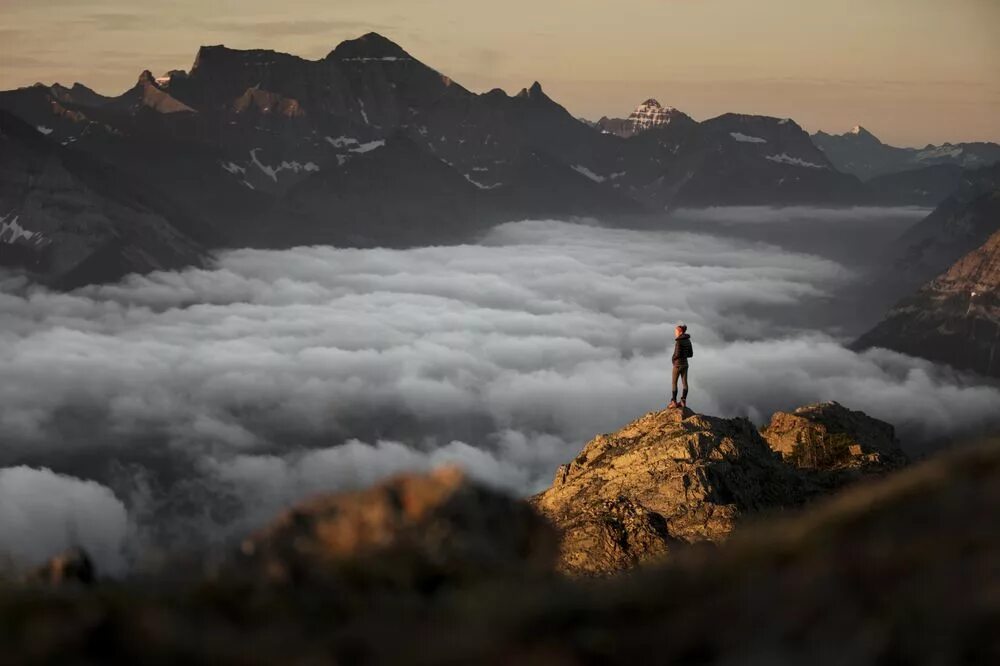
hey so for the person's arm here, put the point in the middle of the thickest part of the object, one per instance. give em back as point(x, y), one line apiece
point(677, 350)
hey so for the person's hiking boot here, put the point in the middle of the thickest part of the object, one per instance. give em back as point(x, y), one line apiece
point(673, 405)
point(684, 403)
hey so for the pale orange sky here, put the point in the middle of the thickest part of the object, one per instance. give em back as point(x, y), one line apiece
point(912, 71)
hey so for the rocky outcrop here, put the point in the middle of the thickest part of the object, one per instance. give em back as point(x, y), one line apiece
point(670, 478)
point(829, 438)
point(410, 531)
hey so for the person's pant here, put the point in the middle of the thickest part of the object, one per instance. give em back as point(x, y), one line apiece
point(682, 373)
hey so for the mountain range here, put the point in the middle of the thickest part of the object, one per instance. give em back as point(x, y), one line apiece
point(368, 146)
point(861, 153)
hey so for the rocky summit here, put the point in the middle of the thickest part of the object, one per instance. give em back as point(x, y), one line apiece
point(828, 437)
point(675, 477)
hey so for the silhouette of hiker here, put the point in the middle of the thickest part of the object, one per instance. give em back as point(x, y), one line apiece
point(683, 350)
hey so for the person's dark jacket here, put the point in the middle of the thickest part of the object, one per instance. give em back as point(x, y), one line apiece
point(682, 350)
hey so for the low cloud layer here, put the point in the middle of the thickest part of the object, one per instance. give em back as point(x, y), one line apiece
point(42, 513)
point(205, 399)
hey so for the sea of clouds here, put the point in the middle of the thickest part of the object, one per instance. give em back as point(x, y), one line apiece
point(181, 408)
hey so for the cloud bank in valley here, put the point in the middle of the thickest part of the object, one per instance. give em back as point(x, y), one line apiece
point(206, 399)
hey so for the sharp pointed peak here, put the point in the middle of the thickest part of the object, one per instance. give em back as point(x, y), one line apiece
point(534, 92)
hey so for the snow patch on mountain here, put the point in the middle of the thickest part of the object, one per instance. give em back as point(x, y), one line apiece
point(584, 171)
point(745, 138)
point(368, 147)
point(341, 141)
point(784, 158)
point(940, 152)
point(272, 172)
point(481, 185)
point(383, 59)
point(12, 232)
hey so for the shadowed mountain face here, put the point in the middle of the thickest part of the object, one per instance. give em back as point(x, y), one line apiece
point(960, 224)
point(861, 153)
point(954, 318)
point(70, 220)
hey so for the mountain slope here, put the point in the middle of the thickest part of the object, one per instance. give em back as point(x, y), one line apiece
point(954, 319)
point(962, 222)
point(69, 220)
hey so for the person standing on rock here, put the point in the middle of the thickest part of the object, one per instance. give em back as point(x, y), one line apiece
point(683, 350)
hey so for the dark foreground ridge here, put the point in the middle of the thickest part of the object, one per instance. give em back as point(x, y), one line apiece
point(437, 569)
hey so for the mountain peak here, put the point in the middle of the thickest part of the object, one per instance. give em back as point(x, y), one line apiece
point(534, 93)
point(861, 133)
point(369, 46)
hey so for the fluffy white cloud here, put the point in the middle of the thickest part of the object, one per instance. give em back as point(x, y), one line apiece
point(257, 380)
point(43, 514)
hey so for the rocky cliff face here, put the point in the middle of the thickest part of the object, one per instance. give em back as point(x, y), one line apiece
point(829, 438)
point(675, 477)
point(960, 224)
point(953, 319)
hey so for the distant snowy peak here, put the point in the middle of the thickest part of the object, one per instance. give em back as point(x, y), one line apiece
point(651, 114)
point(648, 115)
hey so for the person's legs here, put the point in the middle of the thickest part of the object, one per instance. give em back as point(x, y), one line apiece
point(673, 385)
point(684, 380)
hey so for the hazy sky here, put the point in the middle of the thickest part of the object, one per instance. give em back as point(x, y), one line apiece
point(912, 71)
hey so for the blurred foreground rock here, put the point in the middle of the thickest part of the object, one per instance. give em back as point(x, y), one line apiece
point(73, 566)
point(409, 531)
